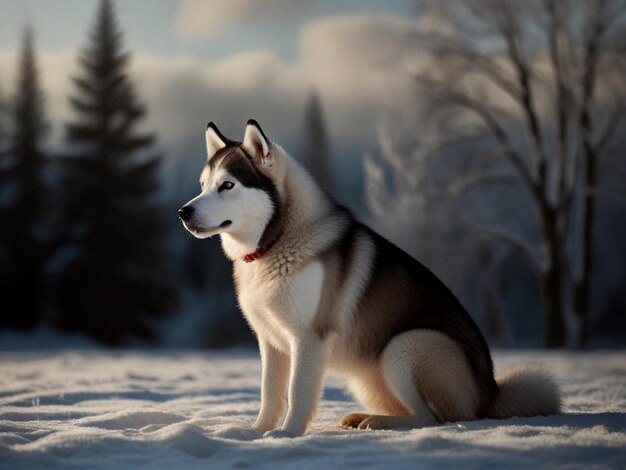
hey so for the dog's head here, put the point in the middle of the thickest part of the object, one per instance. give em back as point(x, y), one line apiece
point(238, 193)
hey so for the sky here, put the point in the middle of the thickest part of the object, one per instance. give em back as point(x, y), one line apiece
point(221, 60)
point(207, 30)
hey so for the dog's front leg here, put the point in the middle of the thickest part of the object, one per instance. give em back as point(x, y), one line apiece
point(308, 360)
point(273, 386)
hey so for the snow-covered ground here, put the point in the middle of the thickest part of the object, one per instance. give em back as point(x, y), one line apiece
point(111, 410)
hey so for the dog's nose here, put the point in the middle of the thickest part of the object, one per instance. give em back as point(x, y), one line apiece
point(185, 212)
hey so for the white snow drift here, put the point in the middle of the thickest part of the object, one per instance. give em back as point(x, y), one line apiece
point(173, 410)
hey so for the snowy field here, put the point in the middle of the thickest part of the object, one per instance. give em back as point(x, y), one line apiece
point(112, 410)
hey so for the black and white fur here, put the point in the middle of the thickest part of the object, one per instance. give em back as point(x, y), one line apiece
point(329, 293)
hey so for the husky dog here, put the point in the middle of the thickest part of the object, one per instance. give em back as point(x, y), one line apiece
point(323, 291)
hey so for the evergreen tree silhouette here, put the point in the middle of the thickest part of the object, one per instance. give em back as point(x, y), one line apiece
point(23, 209)
point(315, 149)
point(4, 202)
point(2, 128)
point(4, 163)
point(114, 280)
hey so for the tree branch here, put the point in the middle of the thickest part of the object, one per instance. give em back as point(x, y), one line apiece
point(459, 188)
point(444, 46)
point(494, 127)
point(615, 119)
point(508, 25)
point(556, 13)
point(504, 237)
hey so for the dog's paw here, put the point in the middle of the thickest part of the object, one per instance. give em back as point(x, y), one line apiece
point(375, 422)
point(352, 420)
point(390, 422)
point(280, 434)
point(239, 433)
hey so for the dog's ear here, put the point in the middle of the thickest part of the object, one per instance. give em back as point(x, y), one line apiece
point(214, 139)
point(256, 144)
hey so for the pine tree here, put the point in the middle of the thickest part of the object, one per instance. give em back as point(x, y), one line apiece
point(2, 119)
point(4, 196)
point(114, 281)
point(315, 149)
point(3, 150)
point(22, 284)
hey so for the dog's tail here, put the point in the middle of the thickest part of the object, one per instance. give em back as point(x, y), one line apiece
point(525, 391)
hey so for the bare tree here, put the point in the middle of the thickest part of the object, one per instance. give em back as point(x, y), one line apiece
point(602, 17)
point(540, 85)
point(509, 68)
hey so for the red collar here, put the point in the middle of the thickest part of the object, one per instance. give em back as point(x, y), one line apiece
point(250, 257)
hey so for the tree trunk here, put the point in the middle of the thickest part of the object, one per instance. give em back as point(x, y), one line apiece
point(598, 19)
point(582, 287)
point(551, 281)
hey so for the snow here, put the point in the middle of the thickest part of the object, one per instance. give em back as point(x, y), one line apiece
point(132, 409)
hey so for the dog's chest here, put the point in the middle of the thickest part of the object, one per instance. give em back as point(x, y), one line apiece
point(280, 308)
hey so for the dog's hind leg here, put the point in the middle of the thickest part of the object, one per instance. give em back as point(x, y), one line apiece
point(429, 374)
point(371, 389)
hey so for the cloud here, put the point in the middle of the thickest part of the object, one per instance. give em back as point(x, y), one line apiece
point(359, 65)
point(208, 17)
point(186, 95)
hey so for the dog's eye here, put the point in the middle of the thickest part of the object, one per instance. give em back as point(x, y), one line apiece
point(226, 185)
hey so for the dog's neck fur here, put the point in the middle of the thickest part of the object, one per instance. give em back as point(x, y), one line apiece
point(303, 203)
